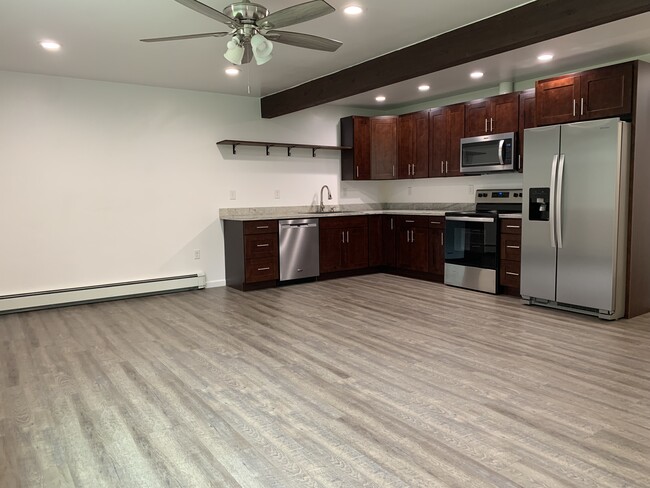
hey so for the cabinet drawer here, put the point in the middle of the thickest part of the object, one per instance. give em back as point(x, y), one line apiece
point(436, 223)
point(261, 227)
point(343, 222)
point(511, 247)
point(262, 269)
point(510, 226)
point(509, 273)
point(261, 245)
point(404, 221)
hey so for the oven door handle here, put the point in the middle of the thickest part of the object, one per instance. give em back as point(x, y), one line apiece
point(472, 219)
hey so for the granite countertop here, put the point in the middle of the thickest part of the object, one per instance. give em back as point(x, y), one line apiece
point(262, 213)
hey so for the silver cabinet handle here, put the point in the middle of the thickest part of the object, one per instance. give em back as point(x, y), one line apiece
point(412, 236)
point(491, 124)
point(263, 269)
point(408, 236)
point(263, 245)
point(357, 171)
point(262, 227)
point(347, 234)
point(574, 107)
point(558, 207)
point(393, 171)
point(486, 124)
point(434, 222)
point(446, 167)
point(442, 167)
point(410, 221)
point(442, 239)
point(391, 223)
point(512, 274)
point(343, 237)
point(513, 227)
point(512, 247)
point(582, 106)
point(552, 202)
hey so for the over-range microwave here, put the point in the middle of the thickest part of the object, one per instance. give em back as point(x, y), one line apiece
point(486, 154)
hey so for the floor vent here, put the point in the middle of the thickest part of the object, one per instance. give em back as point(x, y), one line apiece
point(99, 293)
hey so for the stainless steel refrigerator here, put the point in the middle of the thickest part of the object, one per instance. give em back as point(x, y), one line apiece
point(574, 225)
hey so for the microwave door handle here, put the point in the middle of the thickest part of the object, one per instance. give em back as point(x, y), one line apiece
point(552, 202)
point(501, 145)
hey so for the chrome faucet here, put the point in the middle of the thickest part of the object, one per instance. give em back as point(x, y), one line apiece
point(329, 197)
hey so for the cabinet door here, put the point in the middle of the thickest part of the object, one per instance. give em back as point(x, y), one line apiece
point(356, 248)
point(331, 249)
point(420, 167)
point(383, 147)
point(557, 99)
point(438, 138)
point(405, 145)
point(403, 248)
point(362, 148)
point(419, 254)
point(388, 240)
point(375, 241)
point(504, 113)
point(526, 120)
point(476, 117)
point(437, 250)
point(606, 92)
point(455, 130)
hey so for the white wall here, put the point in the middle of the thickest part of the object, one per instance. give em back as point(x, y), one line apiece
point(103, 182)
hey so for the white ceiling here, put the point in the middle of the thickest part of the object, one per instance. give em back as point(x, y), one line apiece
point(100, 41)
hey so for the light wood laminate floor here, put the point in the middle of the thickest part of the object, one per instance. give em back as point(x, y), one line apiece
point(369, 381)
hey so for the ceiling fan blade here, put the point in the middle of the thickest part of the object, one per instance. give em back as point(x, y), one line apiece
point(303, 40)
point(248, 53)
point(210, 12)
point(296, 14)
point(188, 36)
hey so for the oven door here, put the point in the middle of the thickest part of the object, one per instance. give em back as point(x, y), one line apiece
point(471, 252)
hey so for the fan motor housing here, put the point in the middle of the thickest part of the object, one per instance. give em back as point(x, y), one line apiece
point(246, 11)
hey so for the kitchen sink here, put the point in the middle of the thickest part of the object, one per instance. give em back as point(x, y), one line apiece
point(329, 212)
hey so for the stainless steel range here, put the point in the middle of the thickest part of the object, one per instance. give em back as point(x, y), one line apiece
point(472, 240)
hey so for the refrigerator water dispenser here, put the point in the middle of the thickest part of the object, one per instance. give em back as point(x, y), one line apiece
point(538, 204)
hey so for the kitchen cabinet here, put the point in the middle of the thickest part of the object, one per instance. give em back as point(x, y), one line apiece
point(437, 247)
point(343, 243)
point(526, 121)
point(374, 148)
point(510, 262)
point(413, 243)
point(446, 129)
point(413, 145)
point(594, 94)
point(375, 241)
point(251, 251)
point(493, 115)
point(383, 147)
point(388, 241)
point(355, 162)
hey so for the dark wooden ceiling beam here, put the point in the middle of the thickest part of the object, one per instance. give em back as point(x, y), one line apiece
point(529, 24)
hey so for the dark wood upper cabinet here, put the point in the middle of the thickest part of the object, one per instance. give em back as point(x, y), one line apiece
point(355, 162)
point(383, 147)
point(492, 115)
point(413, 145)
point(594, 94)
point(526, 120)
point(446, 129)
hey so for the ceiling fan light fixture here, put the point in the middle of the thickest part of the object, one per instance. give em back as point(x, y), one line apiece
point(262, 48)
point(235, 52)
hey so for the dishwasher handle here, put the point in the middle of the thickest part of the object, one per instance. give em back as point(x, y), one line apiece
point(297, 226)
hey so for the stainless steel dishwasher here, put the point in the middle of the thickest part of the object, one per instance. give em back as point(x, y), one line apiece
point(298, 249)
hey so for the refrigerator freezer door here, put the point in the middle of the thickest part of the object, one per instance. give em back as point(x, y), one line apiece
point(538, 257)
point(588, 217)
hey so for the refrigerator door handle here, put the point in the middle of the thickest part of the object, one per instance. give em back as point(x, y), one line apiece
point(552, 202)
point(558, 206)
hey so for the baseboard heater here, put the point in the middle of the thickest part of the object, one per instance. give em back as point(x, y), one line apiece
point(99, 293)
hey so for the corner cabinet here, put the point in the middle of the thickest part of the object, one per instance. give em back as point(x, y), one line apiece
point(594, 94)
point(374, 148)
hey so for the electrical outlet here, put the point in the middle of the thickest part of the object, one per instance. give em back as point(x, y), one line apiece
point(277, 194)
point(197, 254)
point(233, 195)
point(410, 189)
point(470, 189)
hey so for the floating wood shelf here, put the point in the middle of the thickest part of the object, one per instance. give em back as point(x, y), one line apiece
point(289, 146)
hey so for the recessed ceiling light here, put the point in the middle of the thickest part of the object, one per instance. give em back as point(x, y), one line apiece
point(477, 74)
point(380, 98)
point(424, 88)
point(232, 71)
point(50, 45)
point(353, 10)
point(545, 57)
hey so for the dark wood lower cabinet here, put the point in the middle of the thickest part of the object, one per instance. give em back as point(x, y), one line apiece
point(510, 265)
point(437, 247)
point(375, 241)
point(413, 243)
point(343, 244)
point(388, 241)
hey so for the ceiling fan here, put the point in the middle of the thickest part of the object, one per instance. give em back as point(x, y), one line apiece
point(253, 27)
